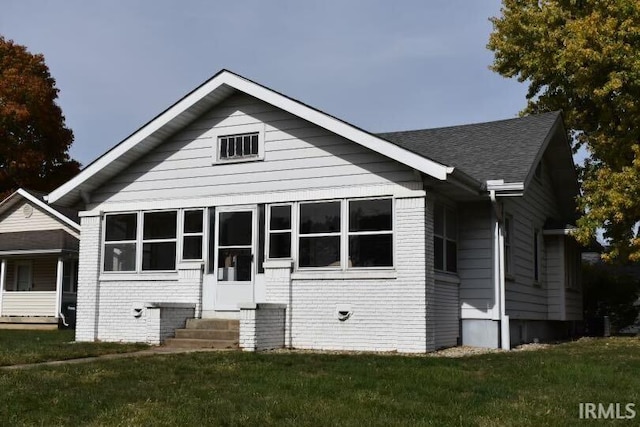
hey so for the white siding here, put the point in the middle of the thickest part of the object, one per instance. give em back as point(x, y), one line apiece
point(475, 260)
point(555, 277)
point(524, 298)
point(29, 304)
point(298, 156)
point(14, 220)
point(447, 313)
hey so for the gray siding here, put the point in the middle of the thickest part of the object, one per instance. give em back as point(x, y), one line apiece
point(298, 156)
point(555, 276)
point(475, 263)
point(447, 313)
point(524, 298)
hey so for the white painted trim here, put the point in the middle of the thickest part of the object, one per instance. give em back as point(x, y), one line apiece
point(59, 271)
point(217, 133)
point(500, 185)
point(352, 274)
point(228, 79)
point(3, 280)
point(42, 205)
point(35, 252)
point(345, 192)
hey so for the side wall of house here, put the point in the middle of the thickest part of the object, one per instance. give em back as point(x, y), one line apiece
point(555, 277)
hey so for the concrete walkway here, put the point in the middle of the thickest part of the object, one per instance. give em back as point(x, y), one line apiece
point(143, 353)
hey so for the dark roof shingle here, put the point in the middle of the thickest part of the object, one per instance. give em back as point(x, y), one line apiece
point(502, 149)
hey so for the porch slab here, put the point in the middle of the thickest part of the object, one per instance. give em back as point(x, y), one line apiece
point(28, 322)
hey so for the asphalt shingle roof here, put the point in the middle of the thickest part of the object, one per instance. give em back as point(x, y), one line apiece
point(502, 149)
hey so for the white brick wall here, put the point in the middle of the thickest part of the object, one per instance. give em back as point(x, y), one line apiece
point(162, 321)
point(262, 327)
point(88, 270)
point(387, 314)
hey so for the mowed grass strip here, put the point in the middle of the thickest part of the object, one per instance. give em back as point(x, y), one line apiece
point(531, 388)
point(18, 347)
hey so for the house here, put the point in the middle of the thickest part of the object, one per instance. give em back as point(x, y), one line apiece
point(238, 202)
point(38, 261)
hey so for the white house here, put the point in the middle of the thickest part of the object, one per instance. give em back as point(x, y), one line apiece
point(38, 261)
point(238, 202)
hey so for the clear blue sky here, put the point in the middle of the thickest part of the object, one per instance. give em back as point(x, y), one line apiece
point(381, 65)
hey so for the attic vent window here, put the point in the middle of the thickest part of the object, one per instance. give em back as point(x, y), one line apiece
point(240, 146)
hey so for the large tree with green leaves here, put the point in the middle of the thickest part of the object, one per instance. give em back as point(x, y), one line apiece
point(583, 57)
point(34, 140)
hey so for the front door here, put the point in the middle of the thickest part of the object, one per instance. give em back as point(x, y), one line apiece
point(232, 272)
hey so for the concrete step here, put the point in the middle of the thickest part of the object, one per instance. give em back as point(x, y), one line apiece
point(200, 343)
point(208, 334)
point(217, 324)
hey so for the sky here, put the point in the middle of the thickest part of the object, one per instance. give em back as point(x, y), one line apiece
point(380, 65)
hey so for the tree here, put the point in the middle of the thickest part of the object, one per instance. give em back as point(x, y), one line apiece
point(583, 57)
point(34, 140)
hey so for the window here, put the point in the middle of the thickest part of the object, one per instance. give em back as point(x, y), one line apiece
point(536, 256)
point(238, 146)
point(23, 276)
point(159, 240)
point(192, 232)
point(70, 276)
point(445, 247)
point(320, 234)
point(370, 233)
point(508, 249)
point(280, 231)
point(120, 242)
point(362, 238)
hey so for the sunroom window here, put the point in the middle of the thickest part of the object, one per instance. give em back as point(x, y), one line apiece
point(280, 231)
point(192, 235)
point(159, 241)
point(319, 234)
point(120, 242)
point(445, 245)
point(370, 233)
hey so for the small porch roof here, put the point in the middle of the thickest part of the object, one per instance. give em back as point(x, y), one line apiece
point(37, 242)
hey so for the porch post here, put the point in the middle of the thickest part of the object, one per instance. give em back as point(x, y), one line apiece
point(3, 273)
point(59, 271)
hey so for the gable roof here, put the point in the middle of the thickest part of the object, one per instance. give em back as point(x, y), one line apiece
point(505, 149)
point(201, 99)
point(64, 215)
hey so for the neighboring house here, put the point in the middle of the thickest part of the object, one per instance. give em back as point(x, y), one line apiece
point(240, 202)
point(38, 260)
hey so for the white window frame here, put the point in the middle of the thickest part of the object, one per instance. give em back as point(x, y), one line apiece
point(185, 234)
point(343, 233)
point(269, 231)
point(23, 263)
point(114, 242)
point(152, 241)
point(218, 133)
point(446, 211)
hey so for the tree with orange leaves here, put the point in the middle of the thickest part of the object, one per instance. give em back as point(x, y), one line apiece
point(34, 140)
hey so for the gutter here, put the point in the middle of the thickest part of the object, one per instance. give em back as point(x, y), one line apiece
point(499, 256)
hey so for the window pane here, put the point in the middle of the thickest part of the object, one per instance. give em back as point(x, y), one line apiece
point(254, 144)
point(279, 245)
point(452, 226)
point(280, 218)
point(238, 146)
point(193, 221)
point(452, 256)
point(120, 227)
point(231, 147)
point(235, 228)
point(234, 265)
point(438, 220)
point(192, 248)
point(320, 251)
point(160, 225)
point(246, 145)
point(371, 251)
point(370, 215)
point(438, 253)
point(120, 257)
point(320, 217)
point(159, 256)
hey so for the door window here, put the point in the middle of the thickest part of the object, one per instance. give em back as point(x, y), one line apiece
point(235, 240)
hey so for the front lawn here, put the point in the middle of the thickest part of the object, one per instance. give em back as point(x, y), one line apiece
point(531, 388)
point(17, 347)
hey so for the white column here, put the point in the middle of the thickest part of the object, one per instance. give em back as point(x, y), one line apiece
point(59, 287)
point(3, 281)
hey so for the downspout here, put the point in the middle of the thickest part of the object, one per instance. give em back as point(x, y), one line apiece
point(504, 337)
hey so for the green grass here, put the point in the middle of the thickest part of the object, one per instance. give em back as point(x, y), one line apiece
point(233, 388)
point(17, 347)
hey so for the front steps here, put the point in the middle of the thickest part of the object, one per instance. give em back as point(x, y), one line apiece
point(207, 333)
